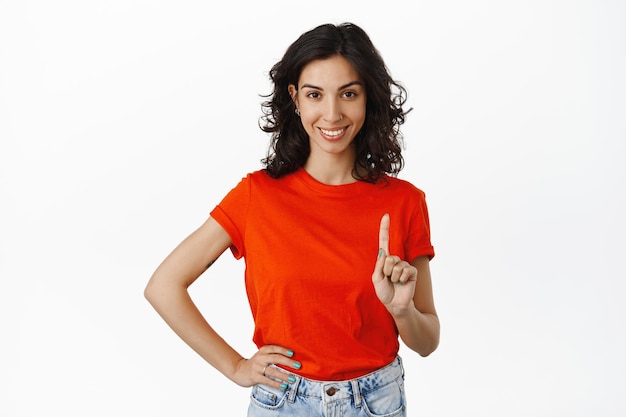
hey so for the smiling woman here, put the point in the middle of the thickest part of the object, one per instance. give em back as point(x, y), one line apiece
point(316, 58)
point(331, 103)
point(336, 247)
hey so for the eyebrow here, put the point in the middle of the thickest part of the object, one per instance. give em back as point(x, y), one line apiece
point(350, 84)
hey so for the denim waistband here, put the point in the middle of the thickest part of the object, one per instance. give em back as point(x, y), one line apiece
point(330, 391)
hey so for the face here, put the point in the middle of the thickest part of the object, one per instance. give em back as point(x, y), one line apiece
point(331, 99)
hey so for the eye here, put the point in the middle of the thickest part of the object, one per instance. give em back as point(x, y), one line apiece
point(313, 95)
point(350, 94)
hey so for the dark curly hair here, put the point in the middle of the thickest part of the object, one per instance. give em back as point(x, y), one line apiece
point(378, 148)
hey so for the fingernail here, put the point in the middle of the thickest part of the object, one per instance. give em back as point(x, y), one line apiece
point(380, 252)
point(297, 365)
point(292, 379)
point(290, 353)
point(284, 386)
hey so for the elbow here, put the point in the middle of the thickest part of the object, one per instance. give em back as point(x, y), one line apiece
point(430, 341)
point(154, 294)
point(423, 346)
point(427, 350)
point(150, 292)
point(160, 292)
point(422, 335)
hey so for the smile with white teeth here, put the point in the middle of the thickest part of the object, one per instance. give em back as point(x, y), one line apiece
point(332, 132)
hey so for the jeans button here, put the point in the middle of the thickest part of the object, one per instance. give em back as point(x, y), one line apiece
point(332, 391)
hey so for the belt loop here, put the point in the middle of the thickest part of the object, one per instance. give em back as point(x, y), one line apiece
point(401, 365)
point(293, 390)
point(356, 393)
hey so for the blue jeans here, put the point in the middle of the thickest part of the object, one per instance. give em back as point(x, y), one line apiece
point(380, 393)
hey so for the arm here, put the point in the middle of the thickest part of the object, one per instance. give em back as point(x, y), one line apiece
point(418, 323)
point(406, 291)
point(167, 291)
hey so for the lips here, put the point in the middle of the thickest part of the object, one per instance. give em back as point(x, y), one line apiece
point(333, 133)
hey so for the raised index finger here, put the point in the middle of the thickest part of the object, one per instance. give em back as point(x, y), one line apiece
point(383, 235)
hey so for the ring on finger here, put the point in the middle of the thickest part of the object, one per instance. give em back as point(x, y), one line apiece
point(264, 368)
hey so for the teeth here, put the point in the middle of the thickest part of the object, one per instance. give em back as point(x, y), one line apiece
point(332, 132)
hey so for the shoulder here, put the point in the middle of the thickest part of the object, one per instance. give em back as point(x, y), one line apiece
point(398, 185)
point(261, 178)
point(255, 177)
point(261, 181)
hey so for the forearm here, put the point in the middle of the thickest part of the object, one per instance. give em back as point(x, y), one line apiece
point(419, 331)
point(176, 307)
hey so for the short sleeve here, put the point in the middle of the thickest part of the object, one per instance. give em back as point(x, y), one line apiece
point(419, 243)
point(232, 212)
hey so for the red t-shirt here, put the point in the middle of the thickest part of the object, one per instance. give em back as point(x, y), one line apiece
point(310, 250)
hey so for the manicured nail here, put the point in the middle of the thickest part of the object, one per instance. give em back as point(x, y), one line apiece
point(297, 365)
point(380, 252)
point(292, 379)
point(284, 386)
point(290, 353)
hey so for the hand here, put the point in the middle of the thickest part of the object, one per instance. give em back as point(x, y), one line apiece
point(257, 369)
point(394, 279)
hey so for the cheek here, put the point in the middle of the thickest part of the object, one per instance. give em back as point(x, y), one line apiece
point(307, 124)
point(358, 118)
point(307, 119)
point(357, 113)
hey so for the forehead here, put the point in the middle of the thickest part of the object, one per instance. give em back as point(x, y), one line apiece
point(329, 73)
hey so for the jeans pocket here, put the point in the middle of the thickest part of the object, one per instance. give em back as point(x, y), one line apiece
point(267, 397)
point(386, 401)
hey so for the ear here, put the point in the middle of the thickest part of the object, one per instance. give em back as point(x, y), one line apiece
point(293, 92)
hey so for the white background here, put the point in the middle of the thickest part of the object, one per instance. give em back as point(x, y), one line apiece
point(122, 124)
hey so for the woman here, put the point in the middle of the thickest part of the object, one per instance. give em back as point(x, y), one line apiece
point(336, 247)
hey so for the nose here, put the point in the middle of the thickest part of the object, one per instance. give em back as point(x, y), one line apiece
point(332, 111)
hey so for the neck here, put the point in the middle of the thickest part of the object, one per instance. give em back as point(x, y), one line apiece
point(330, 170)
